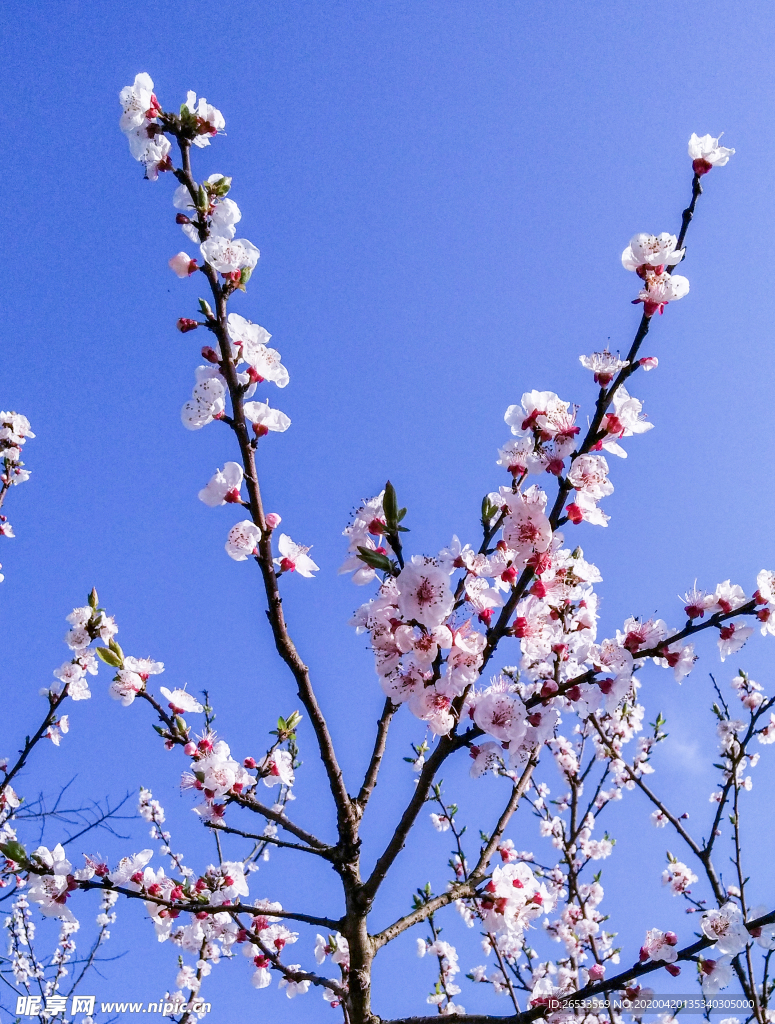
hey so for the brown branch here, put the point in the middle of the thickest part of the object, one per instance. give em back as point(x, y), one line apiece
point(251, 803)
point(285, 647)
point(516, 795)
point(380, 742)
point(48, 721)
point(446, 746)
point(268, 839)
point(469, 886)
point(603, 403)
point(194, 907)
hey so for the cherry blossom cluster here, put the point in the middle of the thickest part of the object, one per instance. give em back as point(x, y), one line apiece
point(241, 357)
point(143, 123)
point(429, 647)
point(14, 431)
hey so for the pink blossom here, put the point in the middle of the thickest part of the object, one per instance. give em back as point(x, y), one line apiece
point(424, 592)
point(183, 265)
point(294, 557)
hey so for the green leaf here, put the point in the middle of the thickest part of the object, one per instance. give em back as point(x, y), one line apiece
point(488, 510)
point(220, 187)
point(206, 309)
point(14, 851)
point(375, 560)
point(109, 657)
point(244, 277)
point(390, 505)
point(116, 648)
point(293, 720)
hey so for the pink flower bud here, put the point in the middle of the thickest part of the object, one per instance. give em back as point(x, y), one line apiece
point(185, 325)
point(249, 762)
point(574, 513)
point(183, 265)
point(596, 972)
point(210, 354)
point(273, 520)
point(181, 218)
point(673, 969)
point(649, 362)
point(671, 938)
point(190, 749)
point(700, 166)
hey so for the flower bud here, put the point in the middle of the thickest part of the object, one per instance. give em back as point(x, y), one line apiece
point(210, 354)
point(273, 520)
point(183, 265)
point(185, 325)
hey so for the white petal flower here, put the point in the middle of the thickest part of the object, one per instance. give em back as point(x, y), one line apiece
point(647, 252)
point(137, 101)
point(243, 540)
point(294, 557)
point(181, 702)
point(229, 255)
point(207, 403)
point(707, 154)
point(224, 486)
point(265, 419)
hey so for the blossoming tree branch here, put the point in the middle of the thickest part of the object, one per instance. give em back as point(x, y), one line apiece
point(491, 645)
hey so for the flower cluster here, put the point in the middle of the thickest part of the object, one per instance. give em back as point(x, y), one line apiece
point(14, 431)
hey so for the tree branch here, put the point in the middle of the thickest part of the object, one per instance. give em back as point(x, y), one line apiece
point(638, 970)
point(380, 742)
point(468, 887)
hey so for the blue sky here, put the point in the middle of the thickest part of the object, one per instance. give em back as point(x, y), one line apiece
point(441, 193)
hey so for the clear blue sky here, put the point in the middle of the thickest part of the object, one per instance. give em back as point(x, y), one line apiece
point(441, 193)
